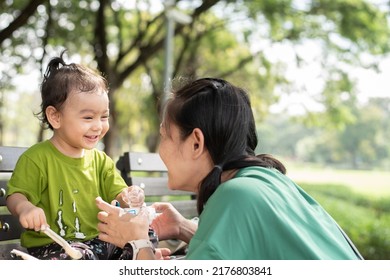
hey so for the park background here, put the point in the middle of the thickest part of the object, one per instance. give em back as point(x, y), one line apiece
point(317, 73)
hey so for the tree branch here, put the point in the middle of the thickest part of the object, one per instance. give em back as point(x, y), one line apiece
point(150, 50)
point(21, 20)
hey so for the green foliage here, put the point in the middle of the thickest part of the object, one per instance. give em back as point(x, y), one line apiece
point(357, 19)
point(360, 144)
point(365, 219)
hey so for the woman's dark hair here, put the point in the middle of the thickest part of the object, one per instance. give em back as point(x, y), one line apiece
point(223, 113)
point(60, 79)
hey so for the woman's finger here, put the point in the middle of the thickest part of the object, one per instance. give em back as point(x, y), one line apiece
point(160, 206)
point(102, 205)
point(102, 227)
point(104, 237)
point(102, 216)
point(110, 209)
point(110, 236)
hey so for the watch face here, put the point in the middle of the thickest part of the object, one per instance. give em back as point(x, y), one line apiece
point(153, 237)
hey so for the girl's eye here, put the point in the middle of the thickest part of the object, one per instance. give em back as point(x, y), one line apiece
point(88, 118)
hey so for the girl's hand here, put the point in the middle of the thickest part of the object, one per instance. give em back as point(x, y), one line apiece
point(32, 217)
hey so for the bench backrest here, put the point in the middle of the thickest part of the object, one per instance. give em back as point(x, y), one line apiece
point(147, 170)
point(10, 229)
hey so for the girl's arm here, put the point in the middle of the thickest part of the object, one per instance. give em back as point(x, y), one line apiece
point(30, 216)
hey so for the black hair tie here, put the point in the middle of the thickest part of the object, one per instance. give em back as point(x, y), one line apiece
point(218, 167)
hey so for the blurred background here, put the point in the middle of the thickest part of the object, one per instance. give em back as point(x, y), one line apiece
point(317, 72)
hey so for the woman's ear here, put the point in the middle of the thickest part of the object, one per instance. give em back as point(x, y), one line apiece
point(53, 117)
point(197, 142)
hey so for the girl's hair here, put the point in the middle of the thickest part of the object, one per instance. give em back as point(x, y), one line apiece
point(223, 113)
point(60, 79)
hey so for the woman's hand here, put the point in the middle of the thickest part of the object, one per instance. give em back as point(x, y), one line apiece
point(119, 227)
point(166, 223)
point(163, 254)
point(170, 224)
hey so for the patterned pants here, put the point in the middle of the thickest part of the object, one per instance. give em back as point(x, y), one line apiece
point(93, 249)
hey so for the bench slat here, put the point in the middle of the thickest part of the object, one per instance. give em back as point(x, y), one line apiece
point(146, 162)
point(10, 228)
point(3, 192)
point(9, 156)
point(6, 248)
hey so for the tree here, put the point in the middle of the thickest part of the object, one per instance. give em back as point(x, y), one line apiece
point(364, 142)
point(127, 42)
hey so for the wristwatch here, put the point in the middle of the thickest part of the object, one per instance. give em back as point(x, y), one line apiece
point(134, 246)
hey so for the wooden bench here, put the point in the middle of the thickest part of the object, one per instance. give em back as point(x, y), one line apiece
point(147, 170)
point(10, 229)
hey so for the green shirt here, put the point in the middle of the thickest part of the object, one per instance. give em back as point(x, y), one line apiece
point(262, 214)
point(65, 188)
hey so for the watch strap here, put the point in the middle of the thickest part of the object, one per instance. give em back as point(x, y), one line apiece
point(137, 245)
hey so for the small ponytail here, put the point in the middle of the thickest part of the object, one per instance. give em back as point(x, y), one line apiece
point(53, 67)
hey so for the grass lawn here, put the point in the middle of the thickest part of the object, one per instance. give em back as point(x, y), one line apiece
point(373, 183)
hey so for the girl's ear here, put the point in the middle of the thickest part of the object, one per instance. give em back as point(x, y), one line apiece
point(197, 142)
point(53, 116)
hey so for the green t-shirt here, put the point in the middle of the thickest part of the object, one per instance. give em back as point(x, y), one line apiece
point(65, 188)
point(262, 214)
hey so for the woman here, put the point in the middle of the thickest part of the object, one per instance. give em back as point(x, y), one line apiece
point(248, 208)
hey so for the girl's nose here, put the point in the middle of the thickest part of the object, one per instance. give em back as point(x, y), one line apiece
point(97, 125)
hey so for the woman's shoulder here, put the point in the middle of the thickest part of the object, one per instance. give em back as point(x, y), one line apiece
point(244, 183)
point(256, 175)
point(259, 172)
point(256, 183)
